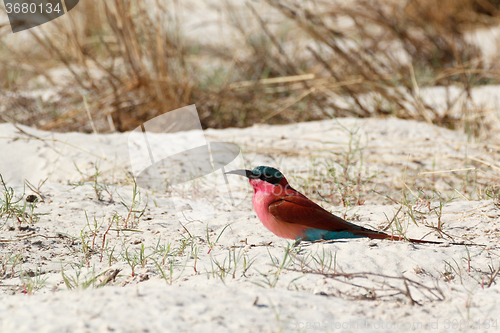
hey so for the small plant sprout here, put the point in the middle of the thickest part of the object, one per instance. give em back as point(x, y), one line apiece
point(131, 259)
point(37, 189)
point(104, 243)
point(15, 209)
point(133, 209)
point(194, 253)
point(93, 181)
point(451, 271)
point(169, 278)
point(83, 280)
point(271, 279)
point(229, 266)
point(32, 281)
point(211, 244)
point(325, 262)
point(93, 228)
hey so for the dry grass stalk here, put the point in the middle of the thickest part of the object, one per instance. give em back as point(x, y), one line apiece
point(316, 60)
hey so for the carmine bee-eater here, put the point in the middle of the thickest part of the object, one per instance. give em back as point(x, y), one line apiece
point(289, 214)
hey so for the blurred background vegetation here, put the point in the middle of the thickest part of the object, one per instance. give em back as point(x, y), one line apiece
point(122, 62)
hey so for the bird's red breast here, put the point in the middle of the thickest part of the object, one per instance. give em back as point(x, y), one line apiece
point(265, 194)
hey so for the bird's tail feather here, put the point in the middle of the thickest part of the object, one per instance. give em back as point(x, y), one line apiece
point(380, 235)
point(313, 234)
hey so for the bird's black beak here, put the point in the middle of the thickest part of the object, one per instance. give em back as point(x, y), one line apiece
point(244, 173)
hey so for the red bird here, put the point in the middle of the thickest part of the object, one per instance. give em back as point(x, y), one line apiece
point(289, 214)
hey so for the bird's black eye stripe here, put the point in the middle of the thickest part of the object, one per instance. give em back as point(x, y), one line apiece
point(270, 178)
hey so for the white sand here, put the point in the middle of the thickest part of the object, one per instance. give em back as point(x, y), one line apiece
point(264, 297)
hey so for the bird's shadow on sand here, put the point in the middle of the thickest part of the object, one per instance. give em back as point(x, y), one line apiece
point(308, 243)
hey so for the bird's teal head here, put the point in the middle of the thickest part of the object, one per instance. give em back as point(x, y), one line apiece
point(265, 173)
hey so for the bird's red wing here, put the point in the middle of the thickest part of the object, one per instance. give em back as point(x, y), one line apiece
point(300, 210)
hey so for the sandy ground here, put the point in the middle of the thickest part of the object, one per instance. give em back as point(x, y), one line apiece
point(187, 260)
point(90, 256)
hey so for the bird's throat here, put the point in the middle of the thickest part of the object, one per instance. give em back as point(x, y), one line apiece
point(264, 195)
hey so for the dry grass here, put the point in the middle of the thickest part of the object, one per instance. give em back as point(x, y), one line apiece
point(367, 58)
